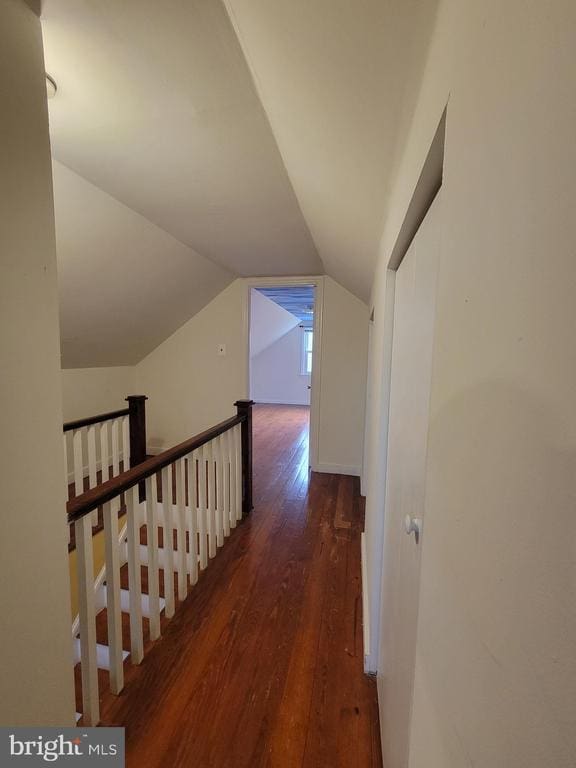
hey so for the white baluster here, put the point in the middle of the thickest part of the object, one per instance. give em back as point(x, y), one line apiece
point(113, 611)
point(91, 441)
point(233, 475)
point(92, 477)
point(168, 542)
point(116, 424)
point(66, 478)
point(104, 451)
point(202, 508)
point(66, 483)
point(219, 490)
point(77, 436)
point(134, 575)
point(87, 620)
point(115, 447)
point(152, 545)
point(192, 518)
point(209, 448)
point(238, 455)
point(225, 444)
point(181, 528)
point(125, 443)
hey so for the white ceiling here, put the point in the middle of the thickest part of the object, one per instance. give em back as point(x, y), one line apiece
point(157, 107)
point(319, 67)
point(258, 134)
point(125, 285)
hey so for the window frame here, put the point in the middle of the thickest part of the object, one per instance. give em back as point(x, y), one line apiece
point(306, 353)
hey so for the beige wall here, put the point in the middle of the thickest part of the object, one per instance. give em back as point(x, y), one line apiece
point(495, 680)
point(276, 373)
point(342, 380)
point(36, 680)
point(268, 322)
point(88, 391)
point(190, 387)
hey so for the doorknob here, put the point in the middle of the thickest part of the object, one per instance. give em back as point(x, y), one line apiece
point(413, 525)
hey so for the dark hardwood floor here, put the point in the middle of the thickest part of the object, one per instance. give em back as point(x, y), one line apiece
point(262, 664)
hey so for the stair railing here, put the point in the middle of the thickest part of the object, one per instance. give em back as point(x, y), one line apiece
point(200, 489)
point(107, 442)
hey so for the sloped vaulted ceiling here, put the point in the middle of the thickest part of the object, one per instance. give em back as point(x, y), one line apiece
point(258, 134)
point(327, 59)
point(156, 107)
point(333, 76)
point(125, 284)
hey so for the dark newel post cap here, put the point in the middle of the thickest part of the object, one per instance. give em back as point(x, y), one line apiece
point(243, 403)
point(137, 397)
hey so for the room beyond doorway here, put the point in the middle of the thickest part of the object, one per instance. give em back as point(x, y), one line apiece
point(284, 321)
point(281, 344)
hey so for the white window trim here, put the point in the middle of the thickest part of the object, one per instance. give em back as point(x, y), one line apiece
point(304, 351)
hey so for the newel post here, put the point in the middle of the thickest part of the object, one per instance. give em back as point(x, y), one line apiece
point(137, 420)
point(244, 408)
point(137, 423)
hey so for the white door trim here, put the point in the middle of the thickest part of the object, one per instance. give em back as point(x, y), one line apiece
point(271, 282)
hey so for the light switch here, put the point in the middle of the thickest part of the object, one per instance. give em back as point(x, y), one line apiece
point(221, 350)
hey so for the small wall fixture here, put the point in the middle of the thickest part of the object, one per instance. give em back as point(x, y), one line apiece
point(51, 86)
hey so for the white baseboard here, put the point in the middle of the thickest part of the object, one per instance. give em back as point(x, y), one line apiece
point(337, 469)
point(365, 604)
point(266, 401)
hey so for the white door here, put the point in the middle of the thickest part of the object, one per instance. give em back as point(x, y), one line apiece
point(413, 334)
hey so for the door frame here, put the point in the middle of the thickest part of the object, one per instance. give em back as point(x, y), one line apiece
point(315, 381)
point(428, 184)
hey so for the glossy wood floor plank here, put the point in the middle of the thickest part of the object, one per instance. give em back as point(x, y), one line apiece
point(262, 664)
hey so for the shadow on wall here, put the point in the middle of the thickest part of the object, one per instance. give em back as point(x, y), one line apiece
point(415, 22)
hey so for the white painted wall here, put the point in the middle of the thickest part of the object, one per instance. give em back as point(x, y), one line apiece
point(268, 322)
point(275, 373)
point(189, 385)
point(495, 679)
point(88, 391)
point(342, 380)
point(36, 685)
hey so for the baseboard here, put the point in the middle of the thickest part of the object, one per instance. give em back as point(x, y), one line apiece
point(266, 401)
point(365, 604)
point(337, 469)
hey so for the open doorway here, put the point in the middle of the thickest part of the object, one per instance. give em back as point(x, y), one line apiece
point(282, 356)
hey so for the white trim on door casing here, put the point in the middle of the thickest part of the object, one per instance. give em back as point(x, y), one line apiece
point(318, 282)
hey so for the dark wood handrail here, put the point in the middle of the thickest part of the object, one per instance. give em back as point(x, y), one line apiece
point(79, 423)
point(111, 489)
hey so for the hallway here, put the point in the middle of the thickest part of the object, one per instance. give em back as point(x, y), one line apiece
point(262, 665)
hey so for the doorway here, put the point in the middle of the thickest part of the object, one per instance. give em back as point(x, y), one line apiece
point(283, 353)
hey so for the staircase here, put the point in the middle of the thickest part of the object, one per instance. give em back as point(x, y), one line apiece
point(163, 520)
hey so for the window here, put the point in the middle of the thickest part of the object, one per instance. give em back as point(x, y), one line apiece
point(306, 361)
